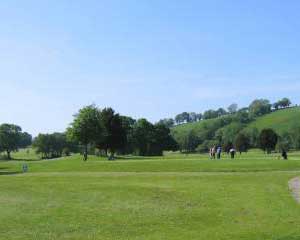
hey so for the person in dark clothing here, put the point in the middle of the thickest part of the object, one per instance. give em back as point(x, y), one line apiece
point(284, 155)
point(232, 153)
point(219, 151)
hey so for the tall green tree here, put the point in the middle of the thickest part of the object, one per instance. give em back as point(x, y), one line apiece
point(259, 107)
point(242, 143)
point(229, 133)
point(128, 125)
point(51, 145)
point(143, 135)
point(86, 128)
point(114, 133)
point(26, 140)
point(253, 134)
point(284, 142)
point(210, 114)
point(10, 138)
point(152, 140)
point(268, 140)
point(285, 102)
point(168, 122)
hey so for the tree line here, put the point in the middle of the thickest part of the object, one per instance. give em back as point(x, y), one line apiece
point(256, 108)
point(94, 129)
point(110, 133)
point(107, 132)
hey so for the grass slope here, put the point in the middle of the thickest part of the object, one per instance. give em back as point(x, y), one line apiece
point(281, 121)
point(171, 197)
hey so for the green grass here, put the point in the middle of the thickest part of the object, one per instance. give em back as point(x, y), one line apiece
point(281, 121)
point(170, 197)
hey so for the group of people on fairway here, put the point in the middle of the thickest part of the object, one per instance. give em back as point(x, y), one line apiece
point(217, 151)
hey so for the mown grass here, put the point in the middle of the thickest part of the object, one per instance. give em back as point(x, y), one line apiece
point(171, 197)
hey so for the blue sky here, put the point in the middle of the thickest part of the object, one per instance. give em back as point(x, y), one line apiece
point(148, 59)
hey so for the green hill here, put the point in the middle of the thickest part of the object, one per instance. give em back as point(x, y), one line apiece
point(280, 121)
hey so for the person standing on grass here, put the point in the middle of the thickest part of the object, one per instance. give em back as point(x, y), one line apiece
point(284, 155)
point(212, 153)
point(232, 153)
point(219, 151)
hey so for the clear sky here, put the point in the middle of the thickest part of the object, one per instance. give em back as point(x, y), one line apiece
point(144, 58)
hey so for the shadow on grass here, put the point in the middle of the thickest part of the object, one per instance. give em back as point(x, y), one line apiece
point(25, 160)
point(9, 173)
point(141, 158)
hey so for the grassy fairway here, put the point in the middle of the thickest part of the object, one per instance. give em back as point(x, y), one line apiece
point(174, 197)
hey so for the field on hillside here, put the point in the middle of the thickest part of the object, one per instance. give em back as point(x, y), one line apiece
point(281, 121)
point(170, 197)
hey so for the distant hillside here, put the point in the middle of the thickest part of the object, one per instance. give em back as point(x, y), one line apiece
point(195, 126)
point(280, 121)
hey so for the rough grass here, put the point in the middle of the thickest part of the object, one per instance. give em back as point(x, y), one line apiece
point(171, 197)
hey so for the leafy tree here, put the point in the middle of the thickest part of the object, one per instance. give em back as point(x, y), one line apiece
point(168, 122)
point(151, 140)
point(242, 143)
point(162, 140)
point(253, 135)
point(232, 108)
point(86, 127)
point(259, 107)
point(268, 140)
point(52, 145)
point(229, 133)
point(191, 141)
point(186, 117)
point(285, 102)
point(193, 117)
point(179, 119)
point(114, 134)
point(242, 117)
point(128, 125)
point(142, 136)
point(284, 142)
point(26, 140)
point(221, 112)
point(210, 114)
point(10, 138)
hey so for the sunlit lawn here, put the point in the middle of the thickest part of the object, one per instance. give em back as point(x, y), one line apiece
point(171, 197)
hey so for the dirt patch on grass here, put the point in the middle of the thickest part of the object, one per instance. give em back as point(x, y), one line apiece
point(294, 186)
